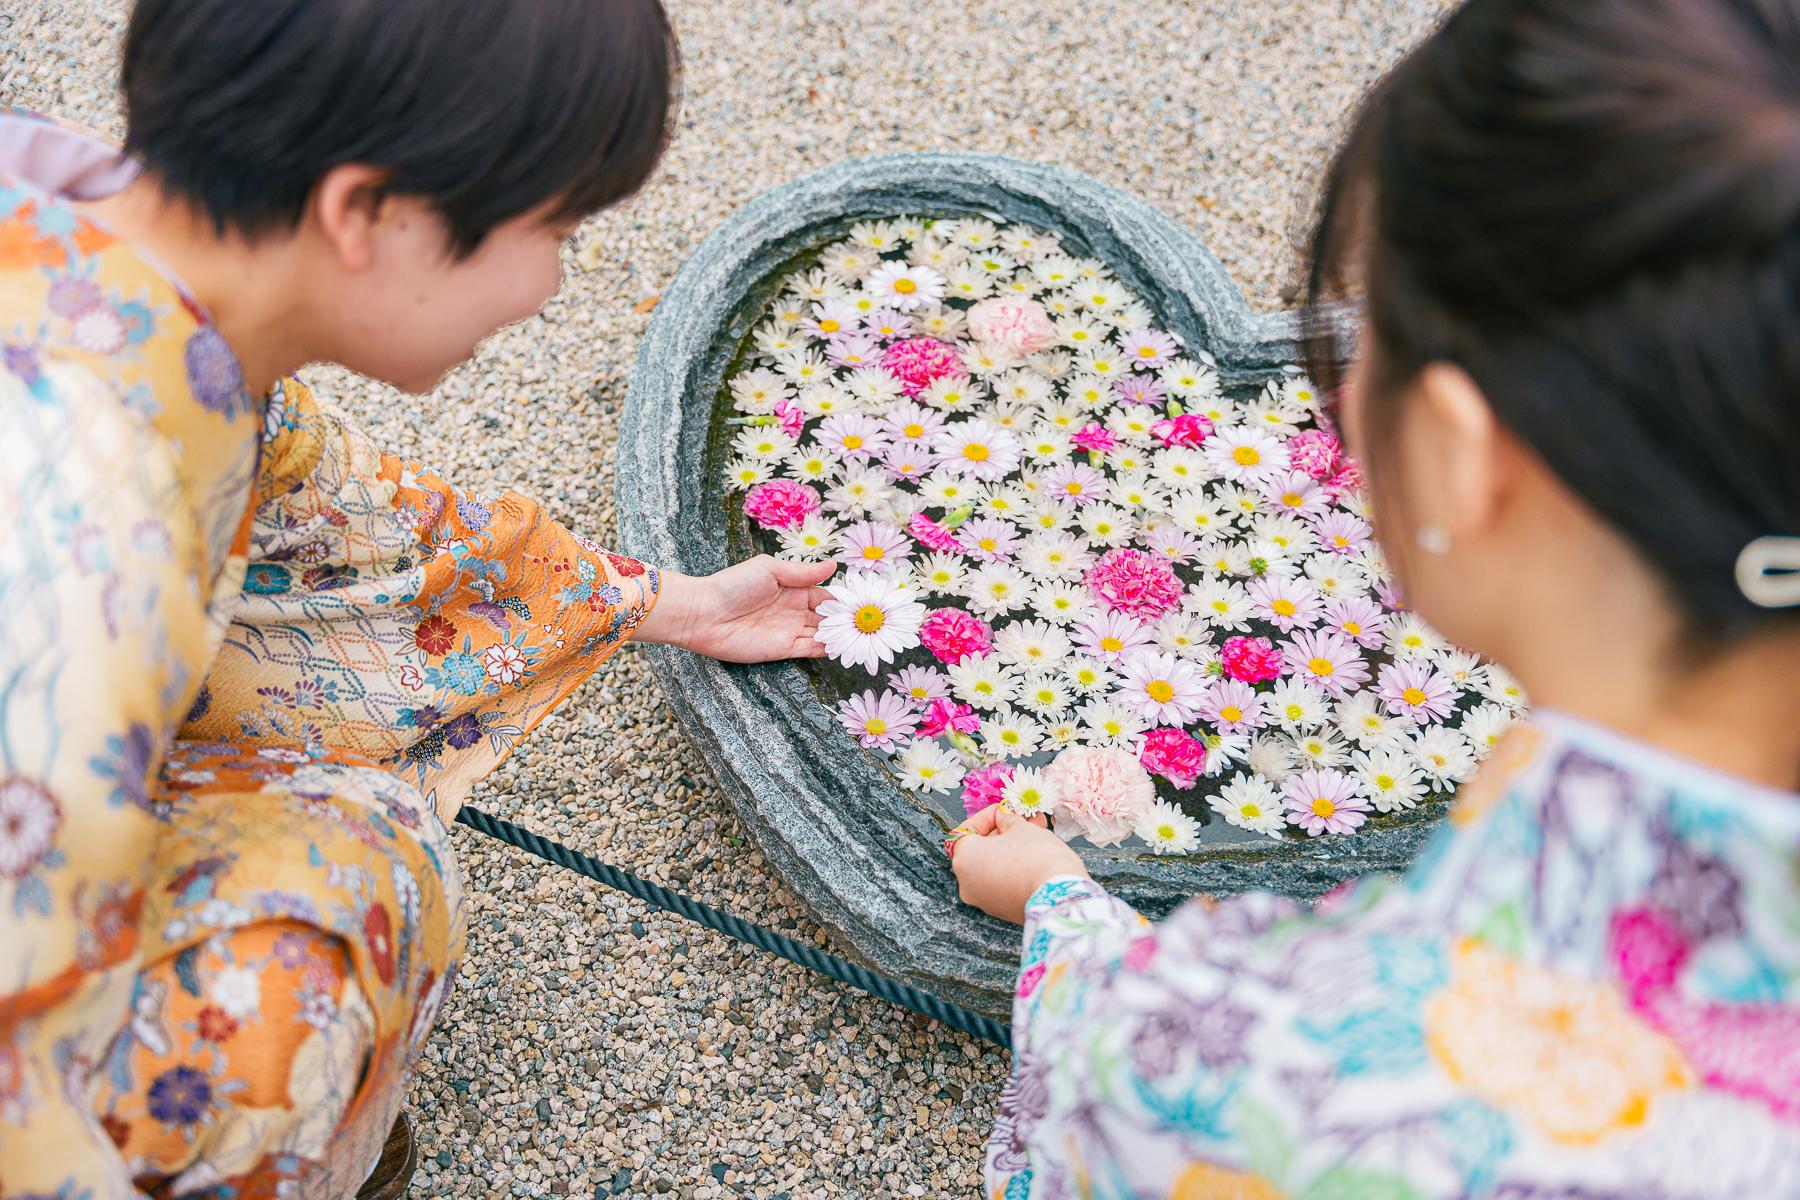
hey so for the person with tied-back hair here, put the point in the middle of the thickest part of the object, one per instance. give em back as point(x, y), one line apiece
point(1573, 230)
point(250, 664)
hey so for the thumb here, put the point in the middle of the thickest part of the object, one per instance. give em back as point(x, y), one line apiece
point(1006, 820)
point(800, 574)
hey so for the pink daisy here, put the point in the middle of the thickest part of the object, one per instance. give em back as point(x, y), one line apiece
point(853, 350)
point(1360, 620)
point(1074, 483)
point(1342, 533)
point(1417, 691)
point(1139, 389)
point(1148, 349)
point(913, 422)
point(1233, 707)
point(1324, 801)
point(873, 545)
point(852, 435)
point(921, 685)
point(1296, 494)
point(1176, 545)
point(884, 722)
point(1285, 602)
point(988, 538)
point(908, 460)
point(1326, 660)
point(1110, 636)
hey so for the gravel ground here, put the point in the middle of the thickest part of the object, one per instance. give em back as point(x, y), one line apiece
point(595, 1050)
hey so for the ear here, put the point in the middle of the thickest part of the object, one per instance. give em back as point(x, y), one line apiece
point(1461, 435)
point(346, 208)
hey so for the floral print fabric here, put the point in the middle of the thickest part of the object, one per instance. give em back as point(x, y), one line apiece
point(1584, 989)
point(250, 667)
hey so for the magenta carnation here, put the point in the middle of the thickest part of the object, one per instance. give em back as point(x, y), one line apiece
point(1316, 452)
point(953, 635)
point(1348, 478)
point(920, 362)
point(982, 787)
point(780, 503)
point(1174, 755)
point(1135, 583)
point(932, 535)
point(791, 416)
point(944, 715)
point(1189, 429)
point(1095, 438)
point(1250, 659)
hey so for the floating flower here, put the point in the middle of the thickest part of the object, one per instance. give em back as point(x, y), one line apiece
point(1315, 452)
point(932, 535)
point(779, 504)
point(927, 766)
point(1251, 659)
point(1074, 483)
point(1324, 801)
point(1245, 455)
point(1022, 326)
point(1174, 755)
point(905, 286)
point(1148, 349)
point(1168, 830)
point(1188, 429)
point(920, 363)
point(1161, 688)
point(944, 715)
point(882, 722)
point(872, 545)
point(1417, 691)
point(1327, 661)
point(1101, 793)
point(868, 620)
point(979, 449)
point(1252, 803)
point(954, 635)
point(1029, 793)
point(985, 787)
point(1135, 583)
point(1095, 439)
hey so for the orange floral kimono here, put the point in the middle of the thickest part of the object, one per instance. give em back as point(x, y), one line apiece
point(250, 666)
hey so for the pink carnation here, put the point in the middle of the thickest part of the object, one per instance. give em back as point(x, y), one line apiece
point(953, 635)
point(1189, 429)
point(944, 715)
point(1101, 793)
point(920, 362)
point(982, 787)
point(1349, 477)
point(1019, 325)
point(791, 416)
point(1250, 659)
point(1095, 438)
point(1316, 452)
point(780, 503)
point(1174, 755)
point(1135, 583)
point(932, 535)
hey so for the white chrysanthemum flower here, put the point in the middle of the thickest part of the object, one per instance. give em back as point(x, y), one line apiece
point(1182, 635)
point(872, 386)
point(813, 539)
point(1107, 524)
point(941, 574)
point(1033, 645)
point(1408, 636)
point(1029, 792)
point(1500, 687)
point(1271, 757)
point(1054, 554)
point(1098, 295)
point(905, 286)
point(943, 489)
point(1180, 467)
point(1484, 725)
point(1278, 419)
point(1321, 748)
point(762, 443)
point(848, 261)
point(985, 682)
point(1110, 724)
point(1089, 676)
point(1296, 705)
point(1188, 381)
point(758, 391)
point(1136, 491)
point(1010, 735)
point(928, 767)
point(1197, 512)
point(1392, 781)
point(1443, 754)
point(1061, 734)
point(804, 367)
point(1044, 695)
point(1363, 720)
point(812, 466)
point(748, 472)
point(1062, 602)
point(1245, 455)
point(1246, 502)
point(1168, 829)
point(996, 588)
point(859, 491)
point(869, 619)
point(777, 339)
point(1335, 578)
point(968, 282)
point(1463, 668)
point(826, 400)
point(1220, 603)
point(1056, 270)
point(1047, 444)
point(1103, 360)
point(1135, 425)
point(1252, 803)
point(1089, 392)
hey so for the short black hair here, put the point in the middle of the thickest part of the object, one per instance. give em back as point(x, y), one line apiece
point(1593, 208)
point(486, 109)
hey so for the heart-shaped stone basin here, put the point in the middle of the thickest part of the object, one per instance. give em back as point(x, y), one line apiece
point(865, 854)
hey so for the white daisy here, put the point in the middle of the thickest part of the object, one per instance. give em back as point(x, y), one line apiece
point(927, 766)
point(1408, 636)
point(1251, 803)
point(1029, 793)
point(1484, 726)
point(1011, 735)
point(1032, 645)
point(1044, 695)
point(941, 574)
point(1168, 829)
point(1089, 676)
point(1296, 705)
point(996, 588)
point(868, 619)
point(977, 448)
point(811, 540)
point(1500, 687)
point(986, 683)
point(1392, 781)
point(1443, 754)
point(1271, 757)
point(1109, 724)
point(748, 472)
point(1063, 603)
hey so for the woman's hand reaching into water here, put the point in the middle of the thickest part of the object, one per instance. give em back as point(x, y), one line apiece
point(761, 610)
point(1001, 858)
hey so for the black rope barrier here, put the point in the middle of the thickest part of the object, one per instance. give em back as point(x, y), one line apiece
point(767, 940)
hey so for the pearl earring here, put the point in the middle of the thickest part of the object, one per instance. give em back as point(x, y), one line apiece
point(1434, 539)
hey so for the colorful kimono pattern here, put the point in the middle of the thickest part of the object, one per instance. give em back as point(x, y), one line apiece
point(250, 667)
point(1585, 989)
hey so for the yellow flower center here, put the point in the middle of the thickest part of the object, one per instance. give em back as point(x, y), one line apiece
point(1413, 696)
point(875, 726)
point(1295, 712)
point(1161, 691)
point(1246, 456)
point(1220, 606)
point(1322, 807)
point(1292, 499)
point(1352, 627)
point(1045, 696)
point(1252, 811)
point(1146, 352)
point(1384, 782)
point(1232, 712)
point(1111, 645)
point(975, 452)
point(853, 442)
point(905, 287)
point(1321, 666)
point(874, 553)
point(1073, 487)
point(1340, 540)
point(869, 618)
point(1283, 607)
point(988, 544)
point(914, 431)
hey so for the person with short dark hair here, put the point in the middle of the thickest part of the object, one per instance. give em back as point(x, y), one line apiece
point(1574, 230)
point(251, 664)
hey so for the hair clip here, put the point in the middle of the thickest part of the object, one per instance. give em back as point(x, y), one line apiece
point(1768, 572)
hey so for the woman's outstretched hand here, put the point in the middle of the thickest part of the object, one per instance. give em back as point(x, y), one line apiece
point(761, 610)
point(1001, 858)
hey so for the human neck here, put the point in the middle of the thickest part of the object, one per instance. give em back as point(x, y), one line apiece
point(247, 288)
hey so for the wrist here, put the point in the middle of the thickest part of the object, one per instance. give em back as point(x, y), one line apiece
point(672, 621)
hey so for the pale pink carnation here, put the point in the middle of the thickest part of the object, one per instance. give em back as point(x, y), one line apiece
point(1316, 452)
point(1019, 325)
point(1174, 755)
point(1189, 429)
point(944, 715)
point(780, 503)
point(953, 635)
point(932, 535)
point(920, 362)
point(1101, 793)
point(1135, 583)
point(983, 786)
point(1251, 659)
